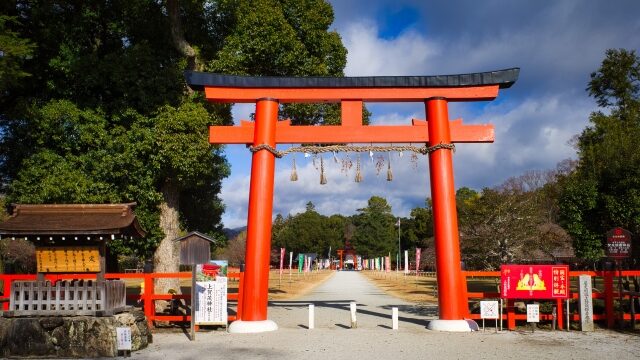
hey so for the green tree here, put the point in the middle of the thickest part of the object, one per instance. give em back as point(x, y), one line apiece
point(14, 50)
point(604, 190)
point(107, 115)
point(307, 232)
point(511, 223)
point(375, 234)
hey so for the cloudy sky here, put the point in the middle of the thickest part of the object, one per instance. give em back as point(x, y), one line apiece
point(556, 44)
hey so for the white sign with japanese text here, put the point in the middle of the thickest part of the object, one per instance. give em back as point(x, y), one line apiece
point(211, 302)
point(533, 313)
point(123, 338)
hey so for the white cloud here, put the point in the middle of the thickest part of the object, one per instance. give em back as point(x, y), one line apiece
point(369, 55)
point(556, 44)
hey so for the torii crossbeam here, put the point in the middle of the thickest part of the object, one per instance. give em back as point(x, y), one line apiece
point(434, 91)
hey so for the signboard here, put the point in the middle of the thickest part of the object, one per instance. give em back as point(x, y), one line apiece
point(489, 310)
point(74, 259)
point(211, 293)
point(618, 243)
point(533, 313)
point(534, 281)
point(123, 338)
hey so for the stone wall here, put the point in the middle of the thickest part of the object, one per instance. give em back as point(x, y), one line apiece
point(71, 336)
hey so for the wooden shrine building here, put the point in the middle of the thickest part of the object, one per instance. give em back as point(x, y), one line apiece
point(62, 232)
point(70, 239)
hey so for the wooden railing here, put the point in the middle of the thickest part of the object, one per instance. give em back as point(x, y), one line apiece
point(77, 297)
point(609, 295)
point(147, 298)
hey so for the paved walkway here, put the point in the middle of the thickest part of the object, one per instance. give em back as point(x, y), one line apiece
point(333, 338)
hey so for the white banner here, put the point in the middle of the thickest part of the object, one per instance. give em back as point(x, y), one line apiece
point(211, 305)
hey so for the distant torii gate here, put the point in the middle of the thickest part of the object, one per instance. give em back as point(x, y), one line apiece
point(268, 92)
point(343, 253)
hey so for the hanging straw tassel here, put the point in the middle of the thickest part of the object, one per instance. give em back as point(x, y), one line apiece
point(294, 173)
point(323, 179)
point(358, 174)
point(389, 173)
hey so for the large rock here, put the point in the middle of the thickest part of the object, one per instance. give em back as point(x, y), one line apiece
point(73, 336)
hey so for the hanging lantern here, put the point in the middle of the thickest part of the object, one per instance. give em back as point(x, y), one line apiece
point(294, 173)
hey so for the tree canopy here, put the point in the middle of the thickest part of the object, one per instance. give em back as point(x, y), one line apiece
point(95, 107)
point(604, 190)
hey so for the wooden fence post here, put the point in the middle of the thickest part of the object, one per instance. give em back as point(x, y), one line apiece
point(608, 298)
point(511, 314)
point(6, 292)
point(559, 313)
point(147, 298)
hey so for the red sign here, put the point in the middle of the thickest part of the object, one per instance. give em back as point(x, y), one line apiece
point(534, 281)
point(618, 243)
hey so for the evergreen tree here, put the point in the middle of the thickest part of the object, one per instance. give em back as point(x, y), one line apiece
point(375, 233)
point(604, 190)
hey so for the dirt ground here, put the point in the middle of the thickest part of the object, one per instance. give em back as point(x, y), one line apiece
point(373, 337)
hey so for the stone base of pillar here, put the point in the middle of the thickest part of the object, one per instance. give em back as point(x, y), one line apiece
point(250, 327)
point(453, 325)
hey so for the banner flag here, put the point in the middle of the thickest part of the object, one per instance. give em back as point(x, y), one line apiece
point(406, 261)
point(281, 259)
point(418, 251)
point(290, 261)
point(300, 262)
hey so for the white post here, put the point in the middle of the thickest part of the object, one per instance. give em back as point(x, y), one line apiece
point(500, 315)
point(394, 318)
point(354, 322)
point(311, 316)
point(586, 303)
point(399, 248)
point(406, 262)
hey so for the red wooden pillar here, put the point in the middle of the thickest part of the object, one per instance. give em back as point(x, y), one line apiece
point(511, 314)
point(452, 302)
point(7, 292)
point(256, 275)
point(608, 298)
point(147, 299)
point(560, 313)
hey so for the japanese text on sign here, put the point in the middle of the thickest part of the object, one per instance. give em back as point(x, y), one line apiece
point(211, 305)
point(534, 281)
point(68, 259)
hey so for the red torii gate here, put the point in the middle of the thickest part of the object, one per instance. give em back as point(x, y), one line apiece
point(268, 92)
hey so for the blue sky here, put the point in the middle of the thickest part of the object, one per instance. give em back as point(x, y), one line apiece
point(557, 44)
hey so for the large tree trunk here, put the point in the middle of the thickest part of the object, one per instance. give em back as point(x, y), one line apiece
point(177, 35)
point(167, 255)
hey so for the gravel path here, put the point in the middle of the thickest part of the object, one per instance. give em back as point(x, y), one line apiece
point(333, 338)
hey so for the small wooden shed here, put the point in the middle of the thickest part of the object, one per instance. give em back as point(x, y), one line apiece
point(195, 248)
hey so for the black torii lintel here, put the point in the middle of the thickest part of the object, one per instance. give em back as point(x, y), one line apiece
point(504, 78)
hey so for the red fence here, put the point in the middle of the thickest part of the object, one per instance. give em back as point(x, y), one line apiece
point(609, 295)
point(148, 297)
